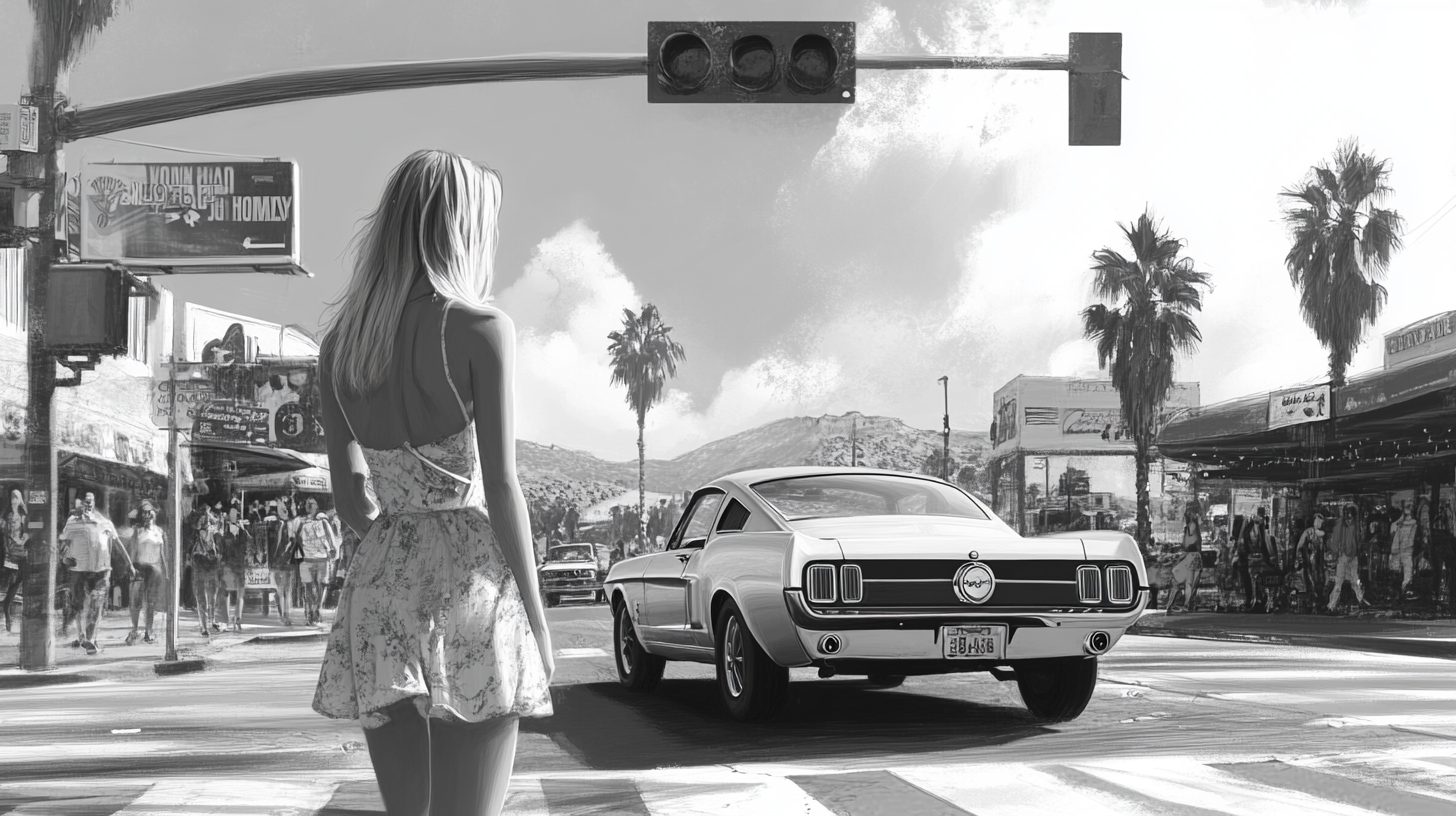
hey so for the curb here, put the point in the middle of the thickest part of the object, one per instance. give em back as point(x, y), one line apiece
point(187, 666)
point(1415, 647)
point(285, 637)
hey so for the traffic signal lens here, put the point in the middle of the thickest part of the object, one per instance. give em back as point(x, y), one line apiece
point(684, 61)
point(812, 63)
point(753, 63)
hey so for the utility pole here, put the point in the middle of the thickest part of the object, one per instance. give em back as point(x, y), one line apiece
point(945, 448)
point(854, 442)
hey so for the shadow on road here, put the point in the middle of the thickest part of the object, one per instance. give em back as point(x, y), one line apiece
point(682, 723)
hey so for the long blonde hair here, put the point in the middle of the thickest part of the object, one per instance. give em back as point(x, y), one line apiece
point(438, 216)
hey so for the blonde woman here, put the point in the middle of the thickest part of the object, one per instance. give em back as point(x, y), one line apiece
point(440, 642)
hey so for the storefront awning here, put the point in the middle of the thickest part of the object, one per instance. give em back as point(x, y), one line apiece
point(1380, 389)
point(252, 460)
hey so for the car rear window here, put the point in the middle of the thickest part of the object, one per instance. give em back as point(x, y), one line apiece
point(734, 517)
point(865, 494)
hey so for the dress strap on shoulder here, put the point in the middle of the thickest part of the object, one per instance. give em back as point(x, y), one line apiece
point(445, 358)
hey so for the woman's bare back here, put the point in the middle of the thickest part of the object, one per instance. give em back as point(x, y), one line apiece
point(420, 401)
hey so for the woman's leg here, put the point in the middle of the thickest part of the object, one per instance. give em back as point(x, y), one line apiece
point(11, 579)
point(470, 766)
point(400, 752)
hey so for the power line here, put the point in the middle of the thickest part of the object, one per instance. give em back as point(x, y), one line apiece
point(1434, 214)
point(1432, 227)
point(185, 150)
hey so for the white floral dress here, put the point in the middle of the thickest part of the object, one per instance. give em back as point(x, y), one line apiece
point(430, 611)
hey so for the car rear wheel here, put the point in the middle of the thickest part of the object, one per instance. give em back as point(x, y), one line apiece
point(636, 669)
point(885, 681)
point(1057, 690)
point(752, 685)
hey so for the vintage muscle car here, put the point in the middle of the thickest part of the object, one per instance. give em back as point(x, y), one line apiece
point(869, 572)
point(570, 570)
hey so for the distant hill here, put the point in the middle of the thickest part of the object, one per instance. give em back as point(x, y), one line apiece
point(883, 442)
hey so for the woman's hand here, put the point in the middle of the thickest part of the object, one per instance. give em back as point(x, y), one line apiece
point(548, 657)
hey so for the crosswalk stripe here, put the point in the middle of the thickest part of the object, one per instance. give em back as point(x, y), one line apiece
point(1187, 780)
point(874, 793)
point(52, 800)
point(1341, 789)
point(609, 796)
point(221, 796)
point(1009, 790)
point(1079, 778)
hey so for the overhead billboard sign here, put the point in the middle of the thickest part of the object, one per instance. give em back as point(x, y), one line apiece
point(1297, 406)
point(192, 214)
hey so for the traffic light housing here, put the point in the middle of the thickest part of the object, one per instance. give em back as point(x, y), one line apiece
point(1094, 83)
point(750, 62)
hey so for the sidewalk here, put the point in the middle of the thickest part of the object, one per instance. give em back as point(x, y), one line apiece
point(115, 659)
point(1380, 632)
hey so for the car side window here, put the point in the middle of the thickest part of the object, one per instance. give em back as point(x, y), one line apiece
point(700, 519)
point(734, 519)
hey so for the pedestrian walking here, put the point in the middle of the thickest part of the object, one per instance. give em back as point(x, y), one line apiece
point(279, 549)
point(86, 548)
point(150, 557)
point(206, 558)
point(234, 542)
point(1403, 547)
point(1260, 560)
point(1188, 569)
point(315, 536)
point(441, 641)
point(12, 574)
point(1224, 578)
point(1309, 553)
point(1345, 549)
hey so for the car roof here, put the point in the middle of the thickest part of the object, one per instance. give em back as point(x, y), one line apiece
point(747, 478)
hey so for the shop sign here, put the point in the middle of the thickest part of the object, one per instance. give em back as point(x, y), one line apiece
point(226, 421)
point(259, 578)
point(196, 213)
point(1299, 405)
point(192, 395)
point(1422, 339)
point(19, 128)
point(1106, 424)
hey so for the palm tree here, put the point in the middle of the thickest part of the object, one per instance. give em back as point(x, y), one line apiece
point(62, 31)
point(1342, 244)
point(1145, 323)
point(644, 355)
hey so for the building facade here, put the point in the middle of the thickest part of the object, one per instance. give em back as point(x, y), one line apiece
point(1062, 459)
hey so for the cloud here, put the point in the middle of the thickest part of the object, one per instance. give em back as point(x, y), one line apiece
point(570, 295)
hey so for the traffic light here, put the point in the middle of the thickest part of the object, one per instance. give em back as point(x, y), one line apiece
point(1094, 81)
point(750, 62)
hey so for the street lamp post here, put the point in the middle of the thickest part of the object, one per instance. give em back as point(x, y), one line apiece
point(174, 467)
point(945, 447)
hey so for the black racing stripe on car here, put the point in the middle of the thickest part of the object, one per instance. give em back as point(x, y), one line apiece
point(1011, 570)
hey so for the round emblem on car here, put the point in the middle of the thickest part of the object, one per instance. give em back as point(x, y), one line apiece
point(973, 583)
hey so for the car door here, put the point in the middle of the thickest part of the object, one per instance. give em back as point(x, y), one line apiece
point(664, 587)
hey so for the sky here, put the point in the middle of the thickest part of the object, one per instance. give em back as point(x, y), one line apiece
point(818, 259)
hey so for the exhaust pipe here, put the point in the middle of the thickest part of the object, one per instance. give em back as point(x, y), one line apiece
point(1096, 643)
point(830, 644)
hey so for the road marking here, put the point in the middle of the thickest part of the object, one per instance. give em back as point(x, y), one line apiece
point(569, 653)
point(1338, 788)
point(1141, 801)
point(874, 793)
point(224, 796)
point(593, 797)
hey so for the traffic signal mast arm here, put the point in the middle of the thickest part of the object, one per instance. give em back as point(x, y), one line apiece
point(272, 89)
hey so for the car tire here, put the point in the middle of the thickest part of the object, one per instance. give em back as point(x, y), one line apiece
point(636, 669)
point(753, 687)
point(1057, 690)
point(886, 681)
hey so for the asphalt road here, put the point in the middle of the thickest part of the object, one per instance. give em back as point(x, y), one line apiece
point(1175, 726)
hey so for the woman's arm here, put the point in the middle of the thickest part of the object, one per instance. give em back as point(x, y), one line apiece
point(347, 468)
point(490, 340)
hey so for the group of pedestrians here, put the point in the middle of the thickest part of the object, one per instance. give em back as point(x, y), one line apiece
point(296, 545)
point(1256, 570)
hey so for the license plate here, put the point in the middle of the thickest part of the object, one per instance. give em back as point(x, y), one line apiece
point(973, 642)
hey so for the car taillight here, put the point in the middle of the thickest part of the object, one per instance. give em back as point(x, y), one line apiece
point(851, 583)
point(821, 583)
point(1119, 585)
point(1089, 584)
